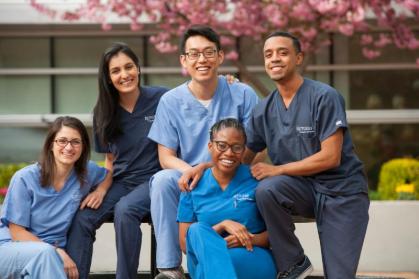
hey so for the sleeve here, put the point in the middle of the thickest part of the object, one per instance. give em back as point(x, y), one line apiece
point(250, 101)
point(330, 115)
point(95, 174)
point(163, 131)
point(99, 147)
point(185, 212)
point(255, 134)
point(16, 208)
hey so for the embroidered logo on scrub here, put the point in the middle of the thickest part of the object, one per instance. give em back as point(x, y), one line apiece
point(149, 118)
point(305, 129)
point(237, 198)
point(339, 123)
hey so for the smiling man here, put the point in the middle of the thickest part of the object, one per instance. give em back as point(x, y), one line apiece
point(184, 116)
point(315, 171)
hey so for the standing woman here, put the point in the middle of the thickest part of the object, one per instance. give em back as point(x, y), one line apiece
point(123, 116)
point(41, 202)
point(220, 228)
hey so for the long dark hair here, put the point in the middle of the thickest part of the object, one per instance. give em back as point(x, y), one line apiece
point(47, 160)
point(105, 114)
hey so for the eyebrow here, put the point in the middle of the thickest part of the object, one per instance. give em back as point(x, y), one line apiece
point(276, 49)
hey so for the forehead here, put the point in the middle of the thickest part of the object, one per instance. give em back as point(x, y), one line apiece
point(119, 59)
point(68, 132)
point(198, 42)
point(227, 134)
point(278, 42)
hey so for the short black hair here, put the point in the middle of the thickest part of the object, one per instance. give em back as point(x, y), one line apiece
point(200, 30)
point(227, 123)
point(295, 41)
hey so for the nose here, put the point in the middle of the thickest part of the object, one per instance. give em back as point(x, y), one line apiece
point(68, 146)
point(201, 57)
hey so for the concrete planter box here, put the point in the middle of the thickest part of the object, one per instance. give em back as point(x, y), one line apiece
point(391, 243)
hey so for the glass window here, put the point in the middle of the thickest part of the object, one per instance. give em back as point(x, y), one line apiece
point(376, 144)
point(75, 94)
point(25, 94)
point(24, 53)
point(86, 52)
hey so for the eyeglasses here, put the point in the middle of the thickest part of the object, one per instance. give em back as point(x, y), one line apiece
point(62, 142)
point(207, 53)
point(222, 146)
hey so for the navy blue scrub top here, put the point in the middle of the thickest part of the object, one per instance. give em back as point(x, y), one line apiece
point(135, 155)
point(294, 133)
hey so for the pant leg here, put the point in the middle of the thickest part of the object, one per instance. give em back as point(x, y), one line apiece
point(130, 210)
point(30, 260)
point(82, 232)
point(207, 254)
point(258, 263)
point(164, 195)
point(342, 232)
point(278, 198)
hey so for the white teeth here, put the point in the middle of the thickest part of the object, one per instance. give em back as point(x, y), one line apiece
point(228, 162)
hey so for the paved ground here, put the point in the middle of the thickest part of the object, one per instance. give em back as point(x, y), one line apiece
point(316, 275)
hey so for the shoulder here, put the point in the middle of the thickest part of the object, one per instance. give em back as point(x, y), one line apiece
point(154, 91)
point(31, 171)
point(239, 88)
point(175, 95)
point(320, 89)
point(263, 105)
point(243, 173)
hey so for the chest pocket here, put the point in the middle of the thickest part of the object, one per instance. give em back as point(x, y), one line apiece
point(244, 200)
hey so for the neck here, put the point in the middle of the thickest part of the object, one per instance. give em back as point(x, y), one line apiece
point(128, 100)
point(289, 88)
point(60, 175)
point(222, 178)
point(203, 90)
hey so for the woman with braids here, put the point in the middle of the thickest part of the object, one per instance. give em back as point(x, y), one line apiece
point(122, 117)
point(220, 228)
point(41, 202)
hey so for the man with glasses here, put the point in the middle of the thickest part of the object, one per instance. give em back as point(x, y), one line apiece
point(184, 116)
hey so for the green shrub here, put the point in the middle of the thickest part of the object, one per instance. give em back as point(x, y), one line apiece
point(399, 179)
point(6, 173)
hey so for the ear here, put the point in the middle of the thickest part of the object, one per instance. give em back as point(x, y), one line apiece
point(220, 56)
point(182, 60)
point(209, 145)
point(300, 58)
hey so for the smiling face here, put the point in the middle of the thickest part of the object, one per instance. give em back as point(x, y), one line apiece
point(281, 58)
point(227, 161)
point(203, 68)
point(124, 73)
point(70, 153)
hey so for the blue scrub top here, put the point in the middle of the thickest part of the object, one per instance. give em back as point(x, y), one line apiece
point(135, 155)
point(208, 203)
point(294, 133)
point(42, 210)
point(182, 123)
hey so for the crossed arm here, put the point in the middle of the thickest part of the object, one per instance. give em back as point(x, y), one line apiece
point(238, 235)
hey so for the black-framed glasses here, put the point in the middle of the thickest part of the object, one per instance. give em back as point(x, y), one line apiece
point(223, 146)
point(62, 142)
point(207, 53)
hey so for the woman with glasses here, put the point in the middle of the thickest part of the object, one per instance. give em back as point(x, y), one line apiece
point(220, 228)
point(41, 202)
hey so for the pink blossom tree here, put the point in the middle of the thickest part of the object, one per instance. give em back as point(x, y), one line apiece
point(311, 20)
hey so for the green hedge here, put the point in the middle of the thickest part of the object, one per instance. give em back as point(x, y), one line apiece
point(6, 173)
point(399, 179)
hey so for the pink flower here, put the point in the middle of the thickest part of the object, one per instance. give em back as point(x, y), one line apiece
point(3, 191)
point(366, 39)
point(232, 55)
point(370, 53)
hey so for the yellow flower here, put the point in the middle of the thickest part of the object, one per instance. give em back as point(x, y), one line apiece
point(406, 188)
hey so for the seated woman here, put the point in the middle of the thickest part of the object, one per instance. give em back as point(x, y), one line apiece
point(41, 202)
point(220, 228)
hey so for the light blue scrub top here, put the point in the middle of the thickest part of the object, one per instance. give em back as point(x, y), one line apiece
point(182, 123)
point(209, 204)
point(42, 210)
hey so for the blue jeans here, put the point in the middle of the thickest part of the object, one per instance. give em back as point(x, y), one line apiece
point(128, 206)
point(164, 195)
point(30, 259)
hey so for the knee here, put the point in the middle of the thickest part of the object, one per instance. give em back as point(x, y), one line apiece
point(197, 229)
point(164, 183)
point(83, 220)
